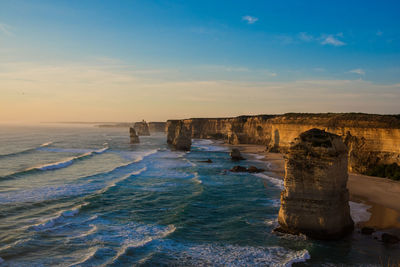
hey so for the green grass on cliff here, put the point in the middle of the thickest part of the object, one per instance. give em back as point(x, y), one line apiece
point(391, 171)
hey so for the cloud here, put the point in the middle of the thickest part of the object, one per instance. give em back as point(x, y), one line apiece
point(323, 39)
point(303, 36)
point(357, 71)
point(379, 33)
point(5, 29)
point(331, 40)
point(250, 19)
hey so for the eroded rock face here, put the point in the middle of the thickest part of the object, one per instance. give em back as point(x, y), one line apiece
point(179, 135)
point(315, 201)
point(142, 128)
point(157, 127)
point(133, 136)
point(372, 139)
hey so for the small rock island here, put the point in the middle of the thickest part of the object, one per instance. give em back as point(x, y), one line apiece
point(315, 201)
point(133, 136)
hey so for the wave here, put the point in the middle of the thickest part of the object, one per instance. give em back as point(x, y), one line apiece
point(275, 181)
point(118, 180)
point(51, 222)
point(66, 162)
point(359, 212)
point(143, 235)
point(196, 178)
point(57, 165)
point(233, 255)
point(28, 150)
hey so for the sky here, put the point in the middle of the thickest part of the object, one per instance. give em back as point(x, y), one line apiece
point(158, 60)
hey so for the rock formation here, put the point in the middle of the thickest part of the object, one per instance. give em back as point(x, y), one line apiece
point(179, 135)
point(157, 127)
point(315, 199)
point(251, 169)
point(235, 154)
point(142, 128)
point(372, 139)
point(133, 136)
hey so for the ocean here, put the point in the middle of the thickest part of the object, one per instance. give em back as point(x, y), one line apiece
point(77, 195)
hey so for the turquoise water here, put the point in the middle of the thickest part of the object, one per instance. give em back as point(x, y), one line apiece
point(83, 196)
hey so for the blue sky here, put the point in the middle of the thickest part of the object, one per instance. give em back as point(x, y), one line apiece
point(257, 43)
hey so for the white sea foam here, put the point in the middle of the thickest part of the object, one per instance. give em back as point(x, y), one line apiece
point(271, 222)
point(275, 181)
point(141, 155)
point(51, 222)
point(208, 145)
point(120, 179)
point(359, 212)
point(196, 178)
point(232, 255)
point(66, 162)
point(90, 254)
point(143, 234)
point(45, 144)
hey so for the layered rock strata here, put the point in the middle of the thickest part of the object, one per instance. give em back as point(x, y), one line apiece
point(134, 138)
point(180, 136)
point(142, 128)
point(371, 139)
point(315, 201)
point(157, 127)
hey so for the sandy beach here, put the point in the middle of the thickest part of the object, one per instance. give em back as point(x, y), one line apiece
point(381, 194)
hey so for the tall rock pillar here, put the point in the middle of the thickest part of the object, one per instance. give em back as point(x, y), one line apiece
point(315, 201)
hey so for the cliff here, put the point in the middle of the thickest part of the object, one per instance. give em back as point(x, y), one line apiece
point(142, 128)
point(179, 135)
point(156, 127)
point(372, 139)
point(315, 200)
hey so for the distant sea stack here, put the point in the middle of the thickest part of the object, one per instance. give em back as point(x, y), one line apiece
point(157, 127)
point(142, 128)
point(133, 136)
point(315, 201)
point(179, 134)
point(373, 140)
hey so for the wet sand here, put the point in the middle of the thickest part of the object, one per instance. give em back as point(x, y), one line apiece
point(383, 195)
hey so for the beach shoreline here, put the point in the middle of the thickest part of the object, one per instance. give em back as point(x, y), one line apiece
point(381, 195)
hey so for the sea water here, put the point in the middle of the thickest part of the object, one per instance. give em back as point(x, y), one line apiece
point(83, 196)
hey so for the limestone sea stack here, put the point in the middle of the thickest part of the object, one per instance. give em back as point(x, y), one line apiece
point(142, 128)
point(133, 136)
point(315, 201)
point(179, 135)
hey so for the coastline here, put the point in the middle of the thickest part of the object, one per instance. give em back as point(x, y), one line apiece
point(380, 195)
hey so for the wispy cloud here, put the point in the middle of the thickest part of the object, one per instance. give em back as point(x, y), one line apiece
point(5, 29)
point(358, 71)
point(250, 19)
point(303, 36)
point(379, 33)
point(332, 40)
point(323, 39)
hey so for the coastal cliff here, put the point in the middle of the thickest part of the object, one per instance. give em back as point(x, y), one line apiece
point(142, 128)
point(372, 140)
point(157, 127)
point(179, 134)
point(315, 200)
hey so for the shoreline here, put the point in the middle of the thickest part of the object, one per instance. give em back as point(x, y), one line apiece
point(380, 195)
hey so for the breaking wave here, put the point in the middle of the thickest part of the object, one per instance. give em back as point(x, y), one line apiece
point(275, 181)
point(57, 165)
point(25, 151)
